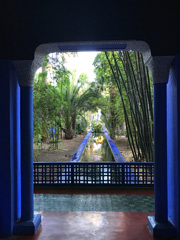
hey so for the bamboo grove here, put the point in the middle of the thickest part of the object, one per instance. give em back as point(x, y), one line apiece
point(132, 79)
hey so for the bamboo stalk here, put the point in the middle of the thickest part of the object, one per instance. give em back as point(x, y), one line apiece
point(137, 89)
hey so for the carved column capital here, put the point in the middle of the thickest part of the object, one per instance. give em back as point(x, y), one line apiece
point(26, 70)
point(159, 68)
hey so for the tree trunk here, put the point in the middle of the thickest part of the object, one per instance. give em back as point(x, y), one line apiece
point(68, 134)
point(73, 123)
point(45, 139)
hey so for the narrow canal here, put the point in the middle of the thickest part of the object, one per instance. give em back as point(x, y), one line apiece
point(97, 150)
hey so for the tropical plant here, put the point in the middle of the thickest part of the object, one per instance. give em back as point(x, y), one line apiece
point(46, 104)
point(58, 102)
point(77, 100)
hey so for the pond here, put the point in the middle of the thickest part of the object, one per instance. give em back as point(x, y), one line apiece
point(97, 150)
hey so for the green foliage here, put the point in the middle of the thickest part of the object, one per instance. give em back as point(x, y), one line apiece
point(46, 105)
point(126, 90)
point(63, 100)
point(78, 100)
point(47, 101)
point(122, 90)
point(81, 124)
point(97, 127)
point(111, 108)
point(135, 88)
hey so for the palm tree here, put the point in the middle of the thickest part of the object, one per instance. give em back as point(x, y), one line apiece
point(78, 97)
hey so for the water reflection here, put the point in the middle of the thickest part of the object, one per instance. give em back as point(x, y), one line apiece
point(97, 150)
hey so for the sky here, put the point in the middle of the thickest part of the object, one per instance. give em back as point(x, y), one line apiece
point(83, 64)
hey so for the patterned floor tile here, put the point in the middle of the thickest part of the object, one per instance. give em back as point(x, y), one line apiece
point(94, 202)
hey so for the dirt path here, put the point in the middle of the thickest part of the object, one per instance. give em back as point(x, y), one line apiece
point(64, 153)
point(67, 148)
point(123, 146)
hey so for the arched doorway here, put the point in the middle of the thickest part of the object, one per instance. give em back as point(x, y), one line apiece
point(25, 73)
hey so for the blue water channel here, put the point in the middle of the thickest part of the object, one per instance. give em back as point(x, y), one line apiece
point(97, 150)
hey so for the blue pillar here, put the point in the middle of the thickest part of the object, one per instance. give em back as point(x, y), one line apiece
point(16, 149)
point(27, 206)
point(160, 153)
point(29, 222)
point(13, 188)
point(173, 146)
point(159, 225)
point(10, 192)
point(6, 183)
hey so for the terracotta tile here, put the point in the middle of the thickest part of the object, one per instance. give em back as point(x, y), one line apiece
point(92, 226)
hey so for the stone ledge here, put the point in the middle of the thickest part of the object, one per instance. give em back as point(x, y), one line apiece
point(78, 153)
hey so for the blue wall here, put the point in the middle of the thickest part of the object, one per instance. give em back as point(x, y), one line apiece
point(173, 143)
point(9, 152)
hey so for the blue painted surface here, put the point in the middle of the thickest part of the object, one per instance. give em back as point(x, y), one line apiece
point(80, 149)
point(96, 151)
point(129, 172)
point(52, 132)
point(173, 143)
point(28, 227)
point(116, 153)
point(16, 148)
point(160, 155)
point(16, 186)
point(119, 158)
point(9, 154)
point(86, 47)
point(161, 230)
point(159, 225)
point(27, 206)
point(8, 149)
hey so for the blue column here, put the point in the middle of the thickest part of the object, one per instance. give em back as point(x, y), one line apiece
point(6, 152)
point(173, 146)
point(160, 152)
point(10, 184)
point(16, 149)
point(27, 205)
point(159, 225)
point(29, 222)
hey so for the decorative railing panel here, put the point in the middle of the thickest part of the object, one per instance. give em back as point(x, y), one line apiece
point(83, 173)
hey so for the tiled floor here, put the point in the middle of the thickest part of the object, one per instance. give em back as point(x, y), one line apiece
point(94, 202)
point(91, 226)
point(96, 215)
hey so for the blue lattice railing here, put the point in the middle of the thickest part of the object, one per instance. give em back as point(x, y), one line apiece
point(83, 173)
